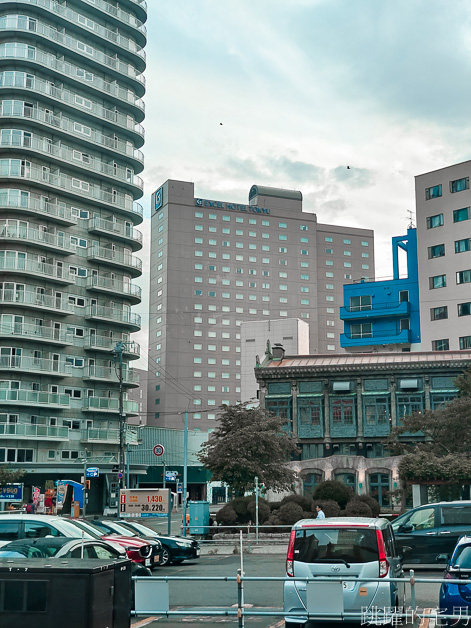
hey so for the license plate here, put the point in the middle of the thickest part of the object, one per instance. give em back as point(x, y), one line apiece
point(156, 559)
point(348, 586)
point(197, 552)
point(147, 562)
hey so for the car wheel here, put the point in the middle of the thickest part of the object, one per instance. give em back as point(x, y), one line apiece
point(165, 560)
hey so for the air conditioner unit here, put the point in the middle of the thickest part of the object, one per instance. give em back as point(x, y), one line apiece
point(82, 454)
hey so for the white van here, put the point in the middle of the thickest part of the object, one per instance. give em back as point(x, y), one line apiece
point(354, 548)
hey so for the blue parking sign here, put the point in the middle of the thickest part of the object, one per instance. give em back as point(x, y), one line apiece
point(93, 472)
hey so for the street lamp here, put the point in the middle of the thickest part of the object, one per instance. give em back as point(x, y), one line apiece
point(118, 355)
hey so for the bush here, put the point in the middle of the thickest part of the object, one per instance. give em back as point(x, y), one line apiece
point(239, 504)
point(304, 502)
point(274, 505)
point(290, 513)
point(263, 511)
point(358, 508)
point(226, 515)
point(372, 503)
point(330, 508)
point(333, 490)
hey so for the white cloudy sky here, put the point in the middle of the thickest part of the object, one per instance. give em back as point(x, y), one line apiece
point(303, 89)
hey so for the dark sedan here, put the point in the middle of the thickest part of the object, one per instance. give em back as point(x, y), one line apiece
point(175, 549)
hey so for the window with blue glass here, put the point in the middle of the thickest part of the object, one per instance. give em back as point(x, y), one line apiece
point(443, 344)
point(435, 221)
point(465, 342)
point(408, 404)
point(349, 479)
point(461, 246)
point(437, 250)
point(380, 488)
point(461, 214)
point(463, 276)
point(438, 400)
point(376, 415)
point(342, 415)
point(310, 417)
point(464, 309)
point(459, 185)
point(361, 330)
point(439, 281)
point(360, 303)
point(434, 192)
point(311, 479)
point(439, 313)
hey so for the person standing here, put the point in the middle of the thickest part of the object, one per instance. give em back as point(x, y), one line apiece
point(320, 512)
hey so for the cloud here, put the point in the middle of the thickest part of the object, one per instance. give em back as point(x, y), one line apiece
point(353, 177)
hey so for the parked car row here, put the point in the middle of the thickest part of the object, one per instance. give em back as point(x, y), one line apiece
point(364, 549)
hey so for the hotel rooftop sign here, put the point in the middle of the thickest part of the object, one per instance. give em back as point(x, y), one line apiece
point(236, 207)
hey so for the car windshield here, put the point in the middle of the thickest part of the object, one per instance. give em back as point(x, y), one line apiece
point(462, 557)
point(353, 545)
point(92, 530)
point(110, 527)
point(138, 527)
point(29, 550)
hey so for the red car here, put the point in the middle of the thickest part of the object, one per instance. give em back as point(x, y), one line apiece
point(142, 551)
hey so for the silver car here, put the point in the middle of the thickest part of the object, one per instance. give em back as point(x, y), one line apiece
point(354, 548)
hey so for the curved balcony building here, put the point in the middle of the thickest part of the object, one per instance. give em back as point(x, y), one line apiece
point(71, 108)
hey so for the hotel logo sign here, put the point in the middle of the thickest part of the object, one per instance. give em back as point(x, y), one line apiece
point(236, 207)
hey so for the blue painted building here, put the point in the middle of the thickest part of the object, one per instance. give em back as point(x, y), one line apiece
point(380, 313)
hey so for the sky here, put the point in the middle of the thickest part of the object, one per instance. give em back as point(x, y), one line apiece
point(303, 89)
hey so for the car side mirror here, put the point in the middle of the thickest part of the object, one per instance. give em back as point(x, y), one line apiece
point(442, 558)
point(406, 527)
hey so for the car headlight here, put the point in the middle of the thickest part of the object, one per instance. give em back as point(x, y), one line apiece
point(183, 543)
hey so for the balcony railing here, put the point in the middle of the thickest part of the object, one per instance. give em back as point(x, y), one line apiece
point(77, 18)
point(96, 435)
point(75, 73)
point(106, 404)
point(30, 298)
point(71, 184)
point(30, 203)
point(23, 430)
point(114, 315)
point(34, 398)
point(105, 343)
point(42, 269)
point(27, 81)
point(119, 14)
point(34, 236)
point(65, 154)
point(116, 258)
point(130, 290)
point(68, 125)
point(36, 365)
point(38, 333)
point(110, 374)
point(115, 228)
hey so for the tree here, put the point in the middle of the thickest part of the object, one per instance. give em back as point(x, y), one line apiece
point(249, 442)
point(9, 476)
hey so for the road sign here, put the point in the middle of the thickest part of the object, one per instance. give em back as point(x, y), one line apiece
point(170, 476)
point(142, 502)
point(93, 472)
point(120, 476)
point(179, 487)
point(158, 450)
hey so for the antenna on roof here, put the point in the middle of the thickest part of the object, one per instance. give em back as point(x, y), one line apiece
point(410, 218)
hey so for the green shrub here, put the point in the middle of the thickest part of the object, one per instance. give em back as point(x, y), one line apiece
point(333, 490)
point(290, 513)
point(263, 511)
point(226, 515)
point(372, 503)
point(274, 505)
point(239, 504)
point(330, 508)
point(304, 502)
point(358, 508)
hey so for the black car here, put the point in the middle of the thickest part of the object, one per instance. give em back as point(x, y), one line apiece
point(432, 529)
point(175, 549)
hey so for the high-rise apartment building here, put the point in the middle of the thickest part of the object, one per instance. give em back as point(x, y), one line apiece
point(215, 264)
point(443, 201)
point(71, 87)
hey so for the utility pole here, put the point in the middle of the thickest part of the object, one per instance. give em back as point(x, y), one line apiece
point(118, 352)
point(185, 470)
point(256, 508)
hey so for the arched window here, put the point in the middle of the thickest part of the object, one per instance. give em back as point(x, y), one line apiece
point(349, 479)
point(310, 481)
point(380, 487)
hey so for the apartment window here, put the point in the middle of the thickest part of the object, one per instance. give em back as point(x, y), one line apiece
point(283, 287)
point(282, 225)
point(365, 266)
point(198, 293)
point(306, 289)
point(347, 241)
point(330, 335)
point(330, 323)
point(198, 214)
point(252, 271)
point(198, 266)
point(266, 286)
point(283, 275)
point(328, 239)
point(329, 286)
point(283, 300)
point(439, 281)
point(441, 345)
point(347, 264)
point(461, 246)
point(464, 309)
point(329, 251)
point(304, 301)
point(304, 240)
point(329, 298)
point(435, 221)
point(465, 342)
point(438, 313)
point(330, 310)
point(226, 218)
point(282, 236)
point(360, 303)
point(463, 276)
point(461, 214)
point(304, 252)
point(362, 330)
point(437, 250)
point(303, 227)
point(365, 243)
point(434, 192)
point(198, 240)
point(329, 262)
point(198, 227)
point(283, 313)
point(459, 185)
point(330, 347)
point(347, 253)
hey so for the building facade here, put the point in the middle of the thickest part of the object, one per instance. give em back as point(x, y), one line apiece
point(384, 315)
point(215, 264)
point(71, 109)
point(443, 201)
point(340, 408)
